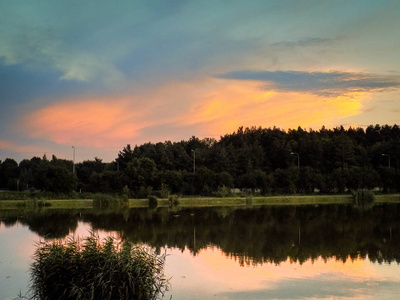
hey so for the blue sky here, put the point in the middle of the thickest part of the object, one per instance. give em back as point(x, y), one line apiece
point(99, 75)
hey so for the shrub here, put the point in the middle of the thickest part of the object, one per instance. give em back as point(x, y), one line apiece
point(249, 199)
point(144, 192)
point(164, 192)
point(223, 191)
point(363, 198)
point(13, 196)
point(93, 269)
point(103, 201)
point(126, 191)
point(173, 200)
point(153, 201)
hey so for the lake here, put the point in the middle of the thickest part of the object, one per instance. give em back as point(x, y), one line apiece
point(260, 252)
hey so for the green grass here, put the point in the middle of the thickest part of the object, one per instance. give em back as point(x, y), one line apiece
point(276, 200)
point(49, 204)
point(207, 201)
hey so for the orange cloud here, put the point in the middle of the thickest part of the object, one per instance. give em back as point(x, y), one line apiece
point(94, 122)
point(241, 103)
point(7, 145)
point(202, 108)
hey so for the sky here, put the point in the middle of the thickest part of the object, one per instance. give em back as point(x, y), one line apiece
point(99, 75)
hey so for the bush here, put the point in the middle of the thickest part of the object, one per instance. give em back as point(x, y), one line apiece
point(93, 269)
point(173, 200)
point(153, 201)
point(249, 199)
point(13, 196)
point(363, 198)
point(103, 201)
point(223, 191)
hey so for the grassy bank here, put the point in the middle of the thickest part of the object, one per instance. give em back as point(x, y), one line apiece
point(201, 201)
point(269, 200)
point(54, 204)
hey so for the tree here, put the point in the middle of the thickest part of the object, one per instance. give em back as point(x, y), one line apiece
point(125, 156)
point(84, 171)
point(9, 174)
point(54, 178)
point(140, 172)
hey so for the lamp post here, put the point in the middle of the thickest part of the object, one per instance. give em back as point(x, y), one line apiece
point(388, 158)
point(73, 159)
point(194, 161)
point(298, 159)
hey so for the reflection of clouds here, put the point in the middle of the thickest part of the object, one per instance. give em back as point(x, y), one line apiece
point(212, 274)
point(84, 230)
point(326, 286)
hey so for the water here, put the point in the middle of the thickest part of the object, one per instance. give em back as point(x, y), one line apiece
point(304, 252)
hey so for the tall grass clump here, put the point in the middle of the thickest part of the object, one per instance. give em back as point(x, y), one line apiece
point(363, 198)
point(173, 200)
point(95, 269)
point(104, 201)
point(249, 199)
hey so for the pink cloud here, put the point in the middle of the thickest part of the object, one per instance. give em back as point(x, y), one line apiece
point(88, 122)
point(202, 108)
point(11, 146)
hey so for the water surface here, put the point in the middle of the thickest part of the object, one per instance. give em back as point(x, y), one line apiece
point(303, 252)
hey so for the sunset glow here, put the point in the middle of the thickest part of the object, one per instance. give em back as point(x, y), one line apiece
point(134, 73)
point(216, 274)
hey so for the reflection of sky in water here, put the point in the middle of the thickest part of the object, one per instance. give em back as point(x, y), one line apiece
point(213, 275)
point(17, 245)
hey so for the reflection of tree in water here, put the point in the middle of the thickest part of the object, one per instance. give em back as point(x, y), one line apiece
point(267, 234)
point(250, 235)
point(49, 224)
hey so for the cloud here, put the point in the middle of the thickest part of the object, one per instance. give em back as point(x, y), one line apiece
point(11, 146)
point(90, 122)
point(108, 42)
point(234, 103)
point(109, 121)
point(306, 42)
point(329, 84)
point(207, 107)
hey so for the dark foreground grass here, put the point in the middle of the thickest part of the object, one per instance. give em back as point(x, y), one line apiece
point(95, 269)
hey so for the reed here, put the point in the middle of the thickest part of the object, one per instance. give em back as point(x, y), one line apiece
point(104, 201)
point(97, 269)
point(363, 198)
point(173, 200)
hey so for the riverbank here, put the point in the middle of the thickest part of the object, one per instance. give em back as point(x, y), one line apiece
point(201, 201)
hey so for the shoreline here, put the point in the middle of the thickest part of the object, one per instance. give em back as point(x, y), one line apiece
point(202, 201)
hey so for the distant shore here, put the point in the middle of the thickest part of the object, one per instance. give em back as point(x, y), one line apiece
point(203, 201)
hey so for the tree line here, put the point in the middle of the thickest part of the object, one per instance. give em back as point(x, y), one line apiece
point(256, 160)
